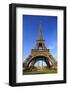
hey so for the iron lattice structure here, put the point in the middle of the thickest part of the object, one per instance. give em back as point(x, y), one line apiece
point(40, 51)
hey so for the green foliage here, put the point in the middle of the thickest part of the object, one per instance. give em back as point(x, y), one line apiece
point(46, 70)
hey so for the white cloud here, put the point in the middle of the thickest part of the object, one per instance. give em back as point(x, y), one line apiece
point(52, 46)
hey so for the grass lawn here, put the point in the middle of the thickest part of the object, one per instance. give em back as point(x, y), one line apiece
point(47, 71)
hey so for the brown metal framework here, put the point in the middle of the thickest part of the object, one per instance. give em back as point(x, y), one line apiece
point(40, 51)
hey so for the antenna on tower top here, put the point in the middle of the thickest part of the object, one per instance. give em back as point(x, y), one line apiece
point(40, 26)
point(40, 32)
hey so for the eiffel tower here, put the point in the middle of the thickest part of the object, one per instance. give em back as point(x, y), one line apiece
point(40, 52)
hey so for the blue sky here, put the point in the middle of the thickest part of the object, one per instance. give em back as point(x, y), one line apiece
point(30, 28)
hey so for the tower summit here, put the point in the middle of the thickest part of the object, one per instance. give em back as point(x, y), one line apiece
point(40, 43)
point(40, 37)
